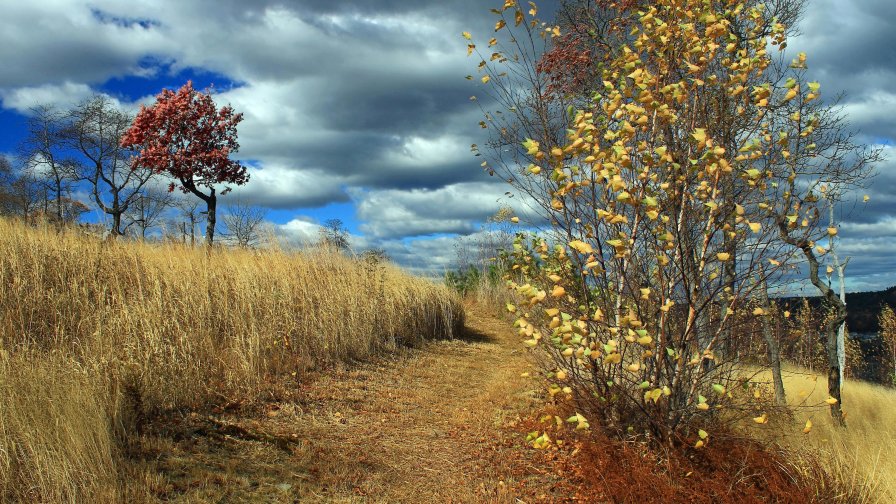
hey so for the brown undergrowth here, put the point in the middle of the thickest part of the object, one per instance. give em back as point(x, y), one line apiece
point(589, 467)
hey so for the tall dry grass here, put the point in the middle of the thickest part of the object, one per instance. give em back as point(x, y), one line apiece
point(96, 336)
point(857, 460)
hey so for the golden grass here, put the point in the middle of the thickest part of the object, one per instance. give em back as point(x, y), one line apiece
point(95, 336)
point(857, 460)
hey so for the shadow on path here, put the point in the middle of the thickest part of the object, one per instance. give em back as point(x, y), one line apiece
point(474, 335)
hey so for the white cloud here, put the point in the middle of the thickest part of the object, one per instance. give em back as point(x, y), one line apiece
point(365, 100)
point(60, 96)
point(299, 232)
point(452, 209)
point(278, 186)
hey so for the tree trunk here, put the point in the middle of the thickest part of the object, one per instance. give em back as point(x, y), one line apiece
point(841, 341)
point(116, 225)
point(834, 371)
point(830, 329)
point(211, 205)
point(59, 213)
point(774, 352)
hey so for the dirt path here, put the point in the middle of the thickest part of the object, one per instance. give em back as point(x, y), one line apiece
point(429, 425)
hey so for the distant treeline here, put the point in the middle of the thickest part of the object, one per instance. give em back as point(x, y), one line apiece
point(862, 308)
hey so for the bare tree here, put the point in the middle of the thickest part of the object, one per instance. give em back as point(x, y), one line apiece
point(147, 210)
point(243, 224)
point(334, 234)
point(191, 217)
point(95, 132)
point(24, 194)
point(8, 204)
point(45, 160)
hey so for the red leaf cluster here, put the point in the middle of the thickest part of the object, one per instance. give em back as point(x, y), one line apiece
point(186, 136)
point(588, 27)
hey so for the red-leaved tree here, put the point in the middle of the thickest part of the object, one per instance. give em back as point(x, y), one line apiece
point(186, 136)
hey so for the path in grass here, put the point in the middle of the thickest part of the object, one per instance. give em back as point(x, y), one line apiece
point(430, 425)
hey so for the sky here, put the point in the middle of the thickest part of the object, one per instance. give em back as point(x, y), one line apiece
point(359, 109)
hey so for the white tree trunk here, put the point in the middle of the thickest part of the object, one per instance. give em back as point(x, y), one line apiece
point(840, 267)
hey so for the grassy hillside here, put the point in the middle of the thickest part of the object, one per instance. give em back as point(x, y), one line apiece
point(857, 458)
point(96, 337)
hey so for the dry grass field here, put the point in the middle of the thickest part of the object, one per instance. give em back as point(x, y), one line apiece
point(144, 373)
point(861, 455)
point(98, 338)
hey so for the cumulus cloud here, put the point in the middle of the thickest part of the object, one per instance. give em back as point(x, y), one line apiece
point(365, 101)
point(282, 187)
point(454, 208)
point(299, 232)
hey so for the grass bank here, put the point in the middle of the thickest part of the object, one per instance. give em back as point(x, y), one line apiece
point(859, 456)
point(96, 337)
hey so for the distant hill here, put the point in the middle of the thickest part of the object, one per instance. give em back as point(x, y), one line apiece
point(862, 308)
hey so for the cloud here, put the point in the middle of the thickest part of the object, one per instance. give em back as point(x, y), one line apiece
point(365, 101)
point(299, 232)
point(60, 96)
point(281, 187)
point(455, 208)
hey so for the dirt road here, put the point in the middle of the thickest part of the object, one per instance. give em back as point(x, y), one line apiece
point(433, 424)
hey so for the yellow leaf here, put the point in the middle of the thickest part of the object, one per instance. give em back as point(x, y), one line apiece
point(723, 256)
point(700, 136)
point(581, 247)
point(653, 395)
point(500, 24)
point(552, 312)
point(866, 198)
point(755, 227)
point(514, 220)
point(558, 291)
point(702, 433)
point(485, 79)
point(703, 406)
point(492, 42)
point(808, 427)
point(561, 375)
point(634, 367)
point(467, 35)
point(699, 444)
point(791, 94)
point(758, 311)
point(761, 419)
point(832, 231)
point(831, 401)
